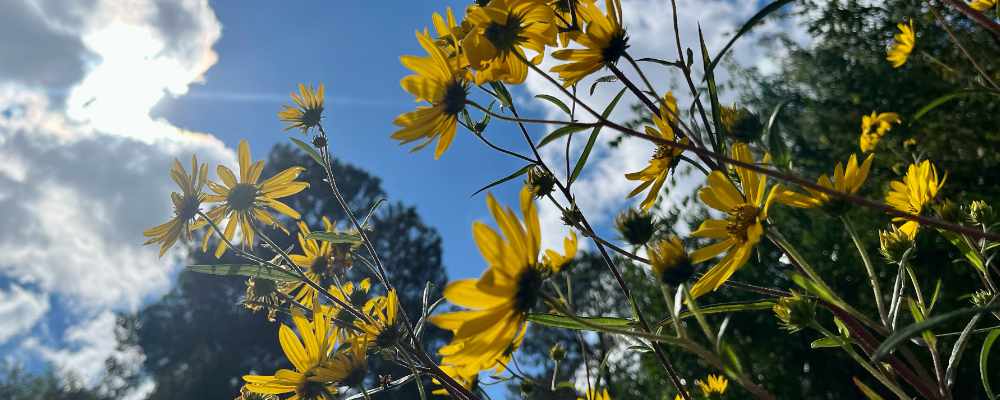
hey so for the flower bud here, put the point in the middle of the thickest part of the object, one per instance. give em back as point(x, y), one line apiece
point(670, 261)
point(635, 226)
point(319, 141)
point(795, 312)
point(540, 182)
point(981, 297)
point(980, 213)
point(557, 352)
point(572, 216)
point(949, 211)
point(894, 244)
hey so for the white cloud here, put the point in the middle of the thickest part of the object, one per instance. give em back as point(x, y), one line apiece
point(602, 188)
point(85, 166)
point(20, 310)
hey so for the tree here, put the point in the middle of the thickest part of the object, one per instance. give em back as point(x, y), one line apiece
point(199, 340)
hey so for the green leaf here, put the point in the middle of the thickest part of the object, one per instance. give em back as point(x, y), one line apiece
point(336, 237)
point(501, 93)
point(557, 102)
point(658, 61)
point(713, 90)
point(481, 125)
point(963, 246)
point(516, 174)
point(723, 308)
point(593, 138)
point(984, 356)
point(867, 391)
point(946, 98)
point(562, 321)
point(747, 26)
point(606, 78)
point(827, 342)
point(906, 333)
point(562, 131)
point(308, 149)
point(254, 270)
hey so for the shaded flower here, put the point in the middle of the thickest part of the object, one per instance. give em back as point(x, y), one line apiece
point(186, 205)
point(440, 83)
point(349, 364)
point(349, 293)
point(316, 261)
point(569, 18)
point(918, 188)
point(604, 42)
point(894, 243)
point(873, 127)
point(670, 262)
point(312, 378)
point(743, 225)
point(902, 44)
point(308, 109)
point(383, 329)
point(740, 123)
point(795, 312)
point(845, 180)
point(245, 201)
point(636, 226)
point(664, 158)
point(262, 294)
point(501, 31)
point(487, 333)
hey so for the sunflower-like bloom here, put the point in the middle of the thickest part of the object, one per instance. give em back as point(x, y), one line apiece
point(262, 294)
point(902, 44)
point(316, 261)
point(670, 261)
point(449, 37)
point(847, 180)
point(604, 42)
point(596, 395)
point(308, 109)
point(569, 18)
point(743, 226)
point(918, 188)
point(349, 364)
point(713, 384)
point(983, 5)
point(874, 126)
point(383, 328)
point(664, 158)
point(349, 293)
point(310, 355)
point(501, 31)
point(186, 205)
point(486, 335)
point(246, 201)
point(439, 82)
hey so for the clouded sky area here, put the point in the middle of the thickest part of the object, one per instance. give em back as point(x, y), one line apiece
point(97, 97)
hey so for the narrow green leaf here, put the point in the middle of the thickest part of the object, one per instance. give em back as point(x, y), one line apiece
point(747, 26)
point(906, 333)
point(713, 90)
point(827, 342)
point(603, 79)
point(516, 174)
point(308, 149)
point(946, 98)
point(963, 246)
point(254, 270)
point(562, 131)
point(723, 308)
point(336, 237)
point(867, 391)
point(502, 94)
point(658, 61)
point(562, 321)
point(593, 138)
point(557, 102)
point(984, 356)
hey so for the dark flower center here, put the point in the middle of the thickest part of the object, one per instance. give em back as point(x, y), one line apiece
point(189, 207)
point(616, 48)
point(242, 196)
point(678, 272)
point(529, 288)
point(454, 98)
point(357, 297)
point(321, 265)
point(310, 390)
point(505, 37)
point(740, 218)
point(311, 116)
point(356, 376)
point(388, 336)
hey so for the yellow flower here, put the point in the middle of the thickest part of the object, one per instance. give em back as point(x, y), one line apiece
point(713, 384)
point(348, 365)
point(355, 295)
point(670, 262)
point(308, 110)
point(309, 355)
point(486, 334)
point(245, 202)
point(902, 45)
point(449, 37)
point(983, 5)
point(186, 205)
point(316, 261)
point(470, 382)
point(436, 81)
point(595, 395)
point(569, 18)
point(604, 42)
point(874, 126)
point(918, 188)
point(501, 31)
point(847, 180)
point(743, 226)
point(665, 157)
point(383, 329)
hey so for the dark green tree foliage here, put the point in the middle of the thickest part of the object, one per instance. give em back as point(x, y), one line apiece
point(199, 340)
point(19, 384)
